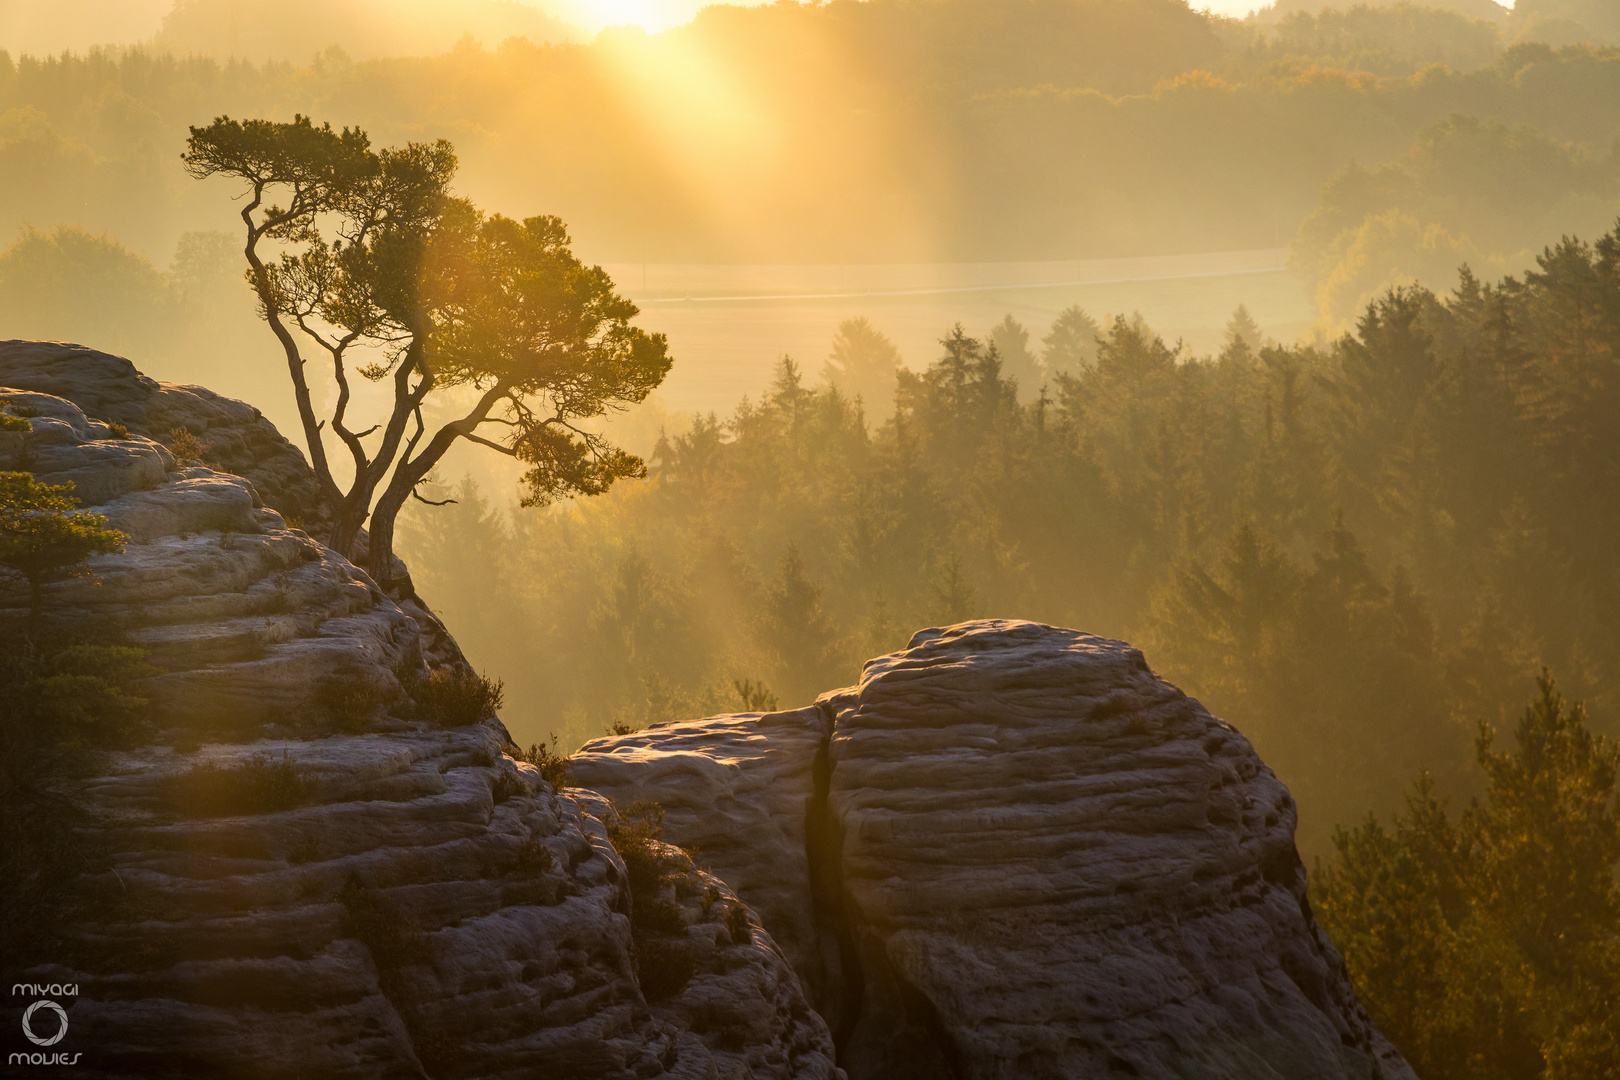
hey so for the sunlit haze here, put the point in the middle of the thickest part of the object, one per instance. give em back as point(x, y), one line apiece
point(848, 540)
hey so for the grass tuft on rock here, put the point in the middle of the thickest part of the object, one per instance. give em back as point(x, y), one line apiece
point(260, 785)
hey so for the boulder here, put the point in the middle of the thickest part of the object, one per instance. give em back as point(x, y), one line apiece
point(1027, 856)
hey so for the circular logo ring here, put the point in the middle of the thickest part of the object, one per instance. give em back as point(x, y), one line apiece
point(60, 1015)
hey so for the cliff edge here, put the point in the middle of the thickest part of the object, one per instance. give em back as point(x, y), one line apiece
point(319, 857)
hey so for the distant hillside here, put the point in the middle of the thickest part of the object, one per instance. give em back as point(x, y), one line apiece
point(1479, 9)
point(362, 28)
point(1556, 22)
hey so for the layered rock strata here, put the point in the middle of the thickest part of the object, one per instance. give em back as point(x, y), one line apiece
point(301, 872)
point(1026, 856)
point(226, 435)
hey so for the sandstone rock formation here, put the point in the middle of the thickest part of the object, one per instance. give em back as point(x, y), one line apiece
point(229, 435)
point(1027, 856)
point(1010, 852)
point(301, 871)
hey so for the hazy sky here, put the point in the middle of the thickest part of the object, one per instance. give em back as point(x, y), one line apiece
point(48, 25)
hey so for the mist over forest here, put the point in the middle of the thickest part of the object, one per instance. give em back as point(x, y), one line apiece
point(1282, 346)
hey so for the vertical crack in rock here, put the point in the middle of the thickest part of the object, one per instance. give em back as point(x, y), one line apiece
point(844, 987)
point(1014, 850)
point(297, 870)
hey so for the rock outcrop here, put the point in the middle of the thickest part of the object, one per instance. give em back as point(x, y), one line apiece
point(225, 434)
point(1011, 851)
point(1027, 856)
point(300, 871)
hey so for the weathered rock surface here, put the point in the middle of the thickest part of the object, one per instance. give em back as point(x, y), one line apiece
point(1028, 857)
point(301, 874)
point(234, 434)
point(1011, 851)
point(736, 789)
point(233, 437)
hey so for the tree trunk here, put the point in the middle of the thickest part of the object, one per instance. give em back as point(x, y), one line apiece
point(410, 472)
point(381, 556)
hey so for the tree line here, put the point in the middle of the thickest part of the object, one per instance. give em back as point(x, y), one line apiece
point(1353, 550)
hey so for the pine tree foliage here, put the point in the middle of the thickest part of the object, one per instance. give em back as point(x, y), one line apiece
point(1488, 945)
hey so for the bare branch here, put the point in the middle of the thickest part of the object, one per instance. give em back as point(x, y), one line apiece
point(481, 441)
point(430, 502)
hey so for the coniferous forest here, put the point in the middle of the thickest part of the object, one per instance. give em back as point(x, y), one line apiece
point(1355, 549)
point(1368, 554)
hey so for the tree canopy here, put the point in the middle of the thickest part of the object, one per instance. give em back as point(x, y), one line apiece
point(1487, 946)
point(378, 260)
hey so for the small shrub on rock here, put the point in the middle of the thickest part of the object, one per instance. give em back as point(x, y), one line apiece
point(553, 766)
point(261, 785)
point(186, 447)
point(535, 857)
point(393, 939)
point(348, 702)
point(508, 786)
point(656, 913)
point(458, 697)
point(664, 967)
point(118, 431)
point(637, 836)
point(737, 924)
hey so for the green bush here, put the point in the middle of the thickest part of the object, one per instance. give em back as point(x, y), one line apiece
point(457, 697)
point(553, 766)
point(260, 785)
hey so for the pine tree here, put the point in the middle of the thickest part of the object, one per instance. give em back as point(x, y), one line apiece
point(1489, 947)
point(1071, 346)
point(1243, 333)
point(1011, 342)
point(863, 364)
point(42, 538)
